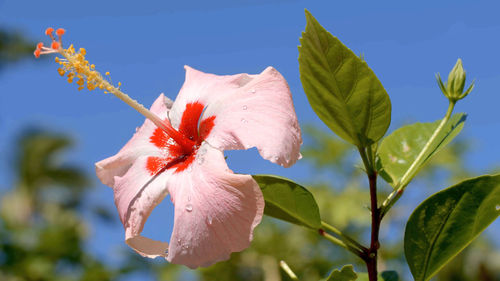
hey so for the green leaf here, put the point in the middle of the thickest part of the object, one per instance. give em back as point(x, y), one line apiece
point(341, 88)
point(345, 274)
point(398, 150)
point(384, 276)
point(445, 223)
point(289, 201)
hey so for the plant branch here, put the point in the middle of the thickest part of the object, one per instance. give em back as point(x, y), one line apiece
point(413, 169)
point(370, 255)
point(371, 261)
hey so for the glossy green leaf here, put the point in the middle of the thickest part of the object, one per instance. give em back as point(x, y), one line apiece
point(341, 88)
point(445, 223)
point(398, 150)
point(345, 274)
point(383, 276)
point(289, 201)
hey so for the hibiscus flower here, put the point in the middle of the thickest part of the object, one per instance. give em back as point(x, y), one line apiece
point(216, 210)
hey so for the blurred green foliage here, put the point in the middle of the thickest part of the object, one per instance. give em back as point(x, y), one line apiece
point(42, 233)
point(14, 46)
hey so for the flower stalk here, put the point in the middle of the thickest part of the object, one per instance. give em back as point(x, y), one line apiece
point(413, 169)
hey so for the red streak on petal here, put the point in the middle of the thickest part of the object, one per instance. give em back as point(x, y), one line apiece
point(189, 121)
point(155, 164)
point(206, 127)
point(176, 156)
point(181, 166)
point(159, 138)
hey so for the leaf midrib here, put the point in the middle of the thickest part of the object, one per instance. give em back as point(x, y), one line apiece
point(434, 240)
point(299, 219)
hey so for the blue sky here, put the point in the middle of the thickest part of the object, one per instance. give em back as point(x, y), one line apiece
point(146, 46)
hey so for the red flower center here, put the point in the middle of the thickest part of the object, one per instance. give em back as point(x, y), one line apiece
point(177, 156)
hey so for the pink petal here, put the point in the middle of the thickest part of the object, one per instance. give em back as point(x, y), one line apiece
point(249, 110)
point(136, 194)
point(140, 144)
point(215, 210)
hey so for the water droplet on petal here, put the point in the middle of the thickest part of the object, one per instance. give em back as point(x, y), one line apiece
point(253, 91)
point(201, 160)
point(179, 241)
point(189, 207)
point(244, 121)
point(245, 107)
point(209, 220)
point(189, 197)
point(276, 158)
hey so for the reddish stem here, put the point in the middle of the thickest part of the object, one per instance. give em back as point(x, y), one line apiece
point(372, 255)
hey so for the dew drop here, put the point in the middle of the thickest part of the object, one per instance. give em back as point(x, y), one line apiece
point(253, 91)
point(209, 220)
point(244, 121)
point(189, 207)
point(189, 197)
point(179, 241)
point(245, 107)
point(276, 158)
point(201, 160)
point(497, 207)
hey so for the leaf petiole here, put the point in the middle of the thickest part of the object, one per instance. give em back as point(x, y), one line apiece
point(346, 238)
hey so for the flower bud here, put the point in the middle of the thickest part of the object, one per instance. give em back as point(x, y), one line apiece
point(453, 89)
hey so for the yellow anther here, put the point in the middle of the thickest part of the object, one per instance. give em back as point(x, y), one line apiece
point(75, 66)
point(119, 84)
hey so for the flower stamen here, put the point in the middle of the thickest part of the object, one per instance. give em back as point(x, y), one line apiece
point(73, 64)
